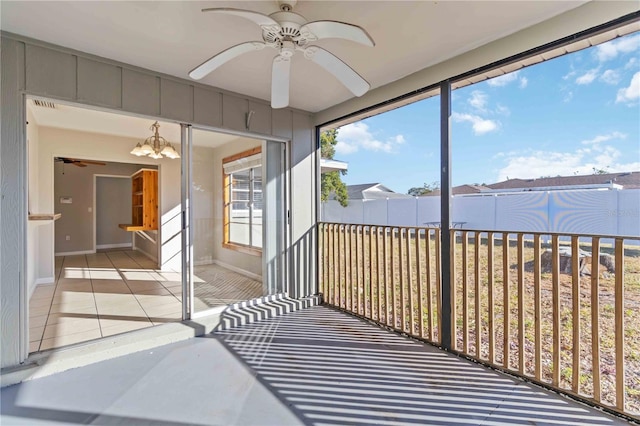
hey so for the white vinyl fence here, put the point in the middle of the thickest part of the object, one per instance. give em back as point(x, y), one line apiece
point(600, 212)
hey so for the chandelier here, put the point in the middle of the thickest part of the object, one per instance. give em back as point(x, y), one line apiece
point(155, 146)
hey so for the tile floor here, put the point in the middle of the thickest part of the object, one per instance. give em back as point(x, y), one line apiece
point(116, 291)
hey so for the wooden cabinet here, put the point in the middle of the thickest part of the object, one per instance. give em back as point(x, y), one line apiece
point(144, 201)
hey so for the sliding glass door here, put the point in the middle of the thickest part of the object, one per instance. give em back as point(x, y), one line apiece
point(235, 227)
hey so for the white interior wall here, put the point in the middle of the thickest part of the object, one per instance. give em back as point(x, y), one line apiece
point(204, 203)
point(33, 227)
point(66, 143)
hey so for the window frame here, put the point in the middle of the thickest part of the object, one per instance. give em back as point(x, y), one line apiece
point(227, 203)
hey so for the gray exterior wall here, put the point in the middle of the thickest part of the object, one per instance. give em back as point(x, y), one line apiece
point(31, 67)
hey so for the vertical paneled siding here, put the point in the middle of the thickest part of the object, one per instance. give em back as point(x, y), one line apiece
point(36, 68)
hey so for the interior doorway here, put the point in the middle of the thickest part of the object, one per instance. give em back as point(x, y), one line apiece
point(109, 214)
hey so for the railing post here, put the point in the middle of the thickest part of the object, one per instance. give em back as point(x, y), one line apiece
point(445, 214)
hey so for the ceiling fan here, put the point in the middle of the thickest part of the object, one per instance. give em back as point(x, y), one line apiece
point(288, 33)
point(79, 163)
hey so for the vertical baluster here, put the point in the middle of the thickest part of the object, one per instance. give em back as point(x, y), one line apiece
point(595, 317)
point(419, 284)
point(454, 310)
point(438, 284)
point(521, 311)
point(402, 279)
point(371, 272)
point(348, 282)
point(476, 281)
point(356, 265)
point(385, 256)
point(427, 250)
point(336, 261)
point(322, 258)
point(555, 300)
point(393, 281)
point(490, 279)
point(378, 274)
point(339, 292)
point(505, 301)
point(411, 292)
point(536, 307)
point(465, 292)
point(575, 299)
point(364, 273)
point(619, 318)
point(330, 262)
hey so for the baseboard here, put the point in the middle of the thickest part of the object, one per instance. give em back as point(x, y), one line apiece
point(74, 253)
point(239, 270)
point(46, 280)
point(108, 246)
point(203, 262)
point(154, 258)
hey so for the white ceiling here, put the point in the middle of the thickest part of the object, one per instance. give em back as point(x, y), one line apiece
point(94, 121)
point(175, 36)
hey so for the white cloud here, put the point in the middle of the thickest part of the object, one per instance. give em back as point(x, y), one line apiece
point(534, 164)
point(569, 75)
point(356, 136)
point(503, 110)
point(631, 63)
point(568, 97)
point(603, 138)
point(503, 80)
point(613, 48)
point(631, 93)
point(610, 77)
point(588, 77)
point(478, 100)
point(480, 125)
point(524, 81)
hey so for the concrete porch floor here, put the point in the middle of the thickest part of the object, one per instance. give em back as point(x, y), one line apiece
point(316, 366)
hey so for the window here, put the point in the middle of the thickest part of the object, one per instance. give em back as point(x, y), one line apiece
point(243, 201)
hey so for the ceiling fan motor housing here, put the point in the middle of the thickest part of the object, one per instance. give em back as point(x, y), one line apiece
point(289, 29)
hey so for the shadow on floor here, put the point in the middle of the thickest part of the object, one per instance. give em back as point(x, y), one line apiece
point(332, 368)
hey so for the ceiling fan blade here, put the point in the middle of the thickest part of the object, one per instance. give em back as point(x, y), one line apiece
point(335, 29)
point(258, 18)
point(97, 163)
point(79, 164)
point(343, 72)
point(280, 82)
point(211, 64)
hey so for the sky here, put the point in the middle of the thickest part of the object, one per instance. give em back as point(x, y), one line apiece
point(566, 116)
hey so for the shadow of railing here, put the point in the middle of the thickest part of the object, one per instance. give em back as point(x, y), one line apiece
point(332, 368)
point(260, 309)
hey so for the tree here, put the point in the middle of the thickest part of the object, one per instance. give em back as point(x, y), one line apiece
point(426, 188)
point(332, 181)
